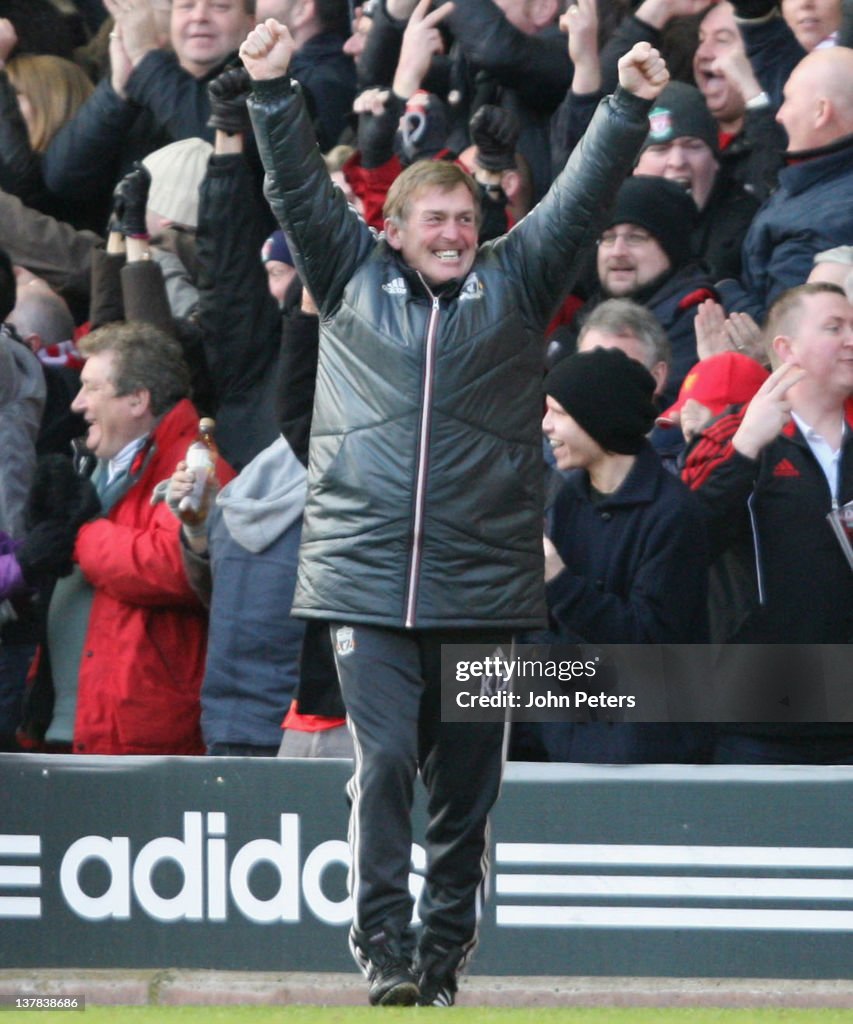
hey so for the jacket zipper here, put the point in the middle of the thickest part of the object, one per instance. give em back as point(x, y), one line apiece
point(421, 465)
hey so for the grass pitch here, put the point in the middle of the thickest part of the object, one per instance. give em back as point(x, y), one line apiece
point(457, 1015)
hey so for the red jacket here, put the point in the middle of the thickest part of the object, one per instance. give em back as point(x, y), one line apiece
point(142, 663)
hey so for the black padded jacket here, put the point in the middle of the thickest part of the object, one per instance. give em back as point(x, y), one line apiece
point(425, 501)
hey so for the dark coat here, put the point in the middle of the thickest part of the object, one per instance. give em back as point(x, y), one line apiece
point(636, 572)
point(327, 75)
point(21, 171)
point(674, 302)
point(164, 104)
point(772, 513)
point(722, 226)
point(810, 211)
point(240, 320)
point(636, 561)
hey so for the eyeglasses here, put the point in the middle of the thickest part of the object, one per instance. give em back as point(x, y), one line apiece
point(633, 238)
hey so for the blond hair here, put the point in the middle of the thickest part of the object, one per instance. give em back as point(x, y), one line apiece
point(56, 89)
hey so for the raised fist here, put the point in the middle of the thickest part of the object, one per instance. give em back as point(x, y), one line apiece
point(228, 93)
point(130, 199)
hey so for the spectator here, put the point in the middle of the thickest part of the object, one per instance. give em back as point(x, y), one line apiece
point(623, 324)
point(506, 53)
point(240, 320)
point(171, 217)
point(712, 386)
point(811, 209)
point(514, 56)
point(767, 476)
point(682, 146)
point(834, 266)
point(44, 323)
point(22, 396)
point(278, 264)
point(624, 537)
point(751, 142)
point(776, 44)
point(644, 254)
point(362, 21)
point(391, 593)
point(154, 94)
point(125, 633)
point(38, 94)
point(320, 29)
point(50, 249)
point(242, 563)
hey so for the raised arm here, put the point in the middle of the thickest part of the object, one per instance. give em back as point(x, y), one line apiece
point(327, 239)
point(543, 251)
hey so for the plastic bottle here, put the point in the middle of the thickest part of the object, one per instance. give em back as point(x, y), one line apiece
point(201, 459)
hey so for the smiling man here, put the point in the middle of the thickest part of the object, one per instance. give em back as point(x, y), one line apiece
point(682, 146)
point(769, 475)
point(424, 508)
point(126, 634)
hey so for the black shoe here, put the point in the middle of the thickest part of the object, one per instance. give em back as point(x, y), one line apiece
point(389, 972)
point(437, 967)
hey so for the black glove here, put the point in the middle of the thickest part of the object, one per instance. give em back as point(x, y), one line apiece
point(494, 131)
point(130, 199)
point(58, 493)
point(228, 93)
point(749, 9)
point(47, 550)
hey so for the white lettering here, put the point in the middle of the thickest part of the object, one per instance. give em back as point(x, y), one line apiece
point(335, 851)
point(115, 854)
point(187, 854)
point(284, 857)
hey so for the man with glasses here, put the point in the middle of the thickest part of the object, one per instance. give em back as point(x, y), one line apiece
point(644, 254)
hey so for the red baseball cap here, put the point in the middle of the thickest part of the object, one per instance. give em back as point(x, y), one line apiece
point(721, 380)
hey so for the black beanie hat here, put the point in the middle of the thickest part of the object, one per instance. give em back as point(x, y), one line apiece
point(608, 394)
point(681, 110)
point(661, 207)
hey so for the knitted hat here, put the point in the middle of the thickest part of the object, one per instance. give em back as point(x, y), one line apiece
point(608, 394)
point(276, 248)
point(721, 380)
point(681, 110)
point(663, 208)
point(177, 171)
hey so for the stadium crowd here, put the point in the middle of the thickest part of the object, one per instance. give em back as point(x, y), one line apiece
point(145, 282)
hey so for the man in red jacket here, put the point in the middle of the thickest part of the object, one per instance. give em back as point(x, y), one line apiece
point(126, 634)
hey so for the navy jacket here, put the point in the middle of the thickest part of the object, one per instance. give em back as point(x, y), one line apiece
point(327, 75)
point(99, 144)
point(811, 211)
point(636, 572)
point(636, 561)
